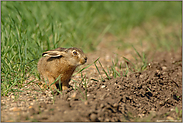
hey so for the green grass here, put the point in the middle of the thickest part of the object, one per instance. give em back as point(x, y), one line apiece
point(29, 28)
point(140, 63)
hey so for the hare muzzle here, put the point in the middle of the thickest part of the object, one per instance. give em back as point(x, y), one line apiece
point(83, 60)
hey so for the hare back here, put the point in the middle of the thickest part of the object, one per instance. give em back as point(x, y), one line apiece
point(56, 66)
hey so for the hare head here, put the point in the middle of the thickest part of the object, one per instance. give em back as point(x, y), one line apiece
point(74, 56)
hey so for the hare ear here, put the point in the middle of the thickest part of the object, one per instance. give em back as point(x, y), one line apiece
point(53, 53)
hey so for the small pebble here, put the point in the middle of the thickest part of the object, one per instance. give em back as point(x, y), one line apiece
point(13, 97)
point(103, 86)
point(141, 115)
point(115, 105)
point(164, 68)
point(86, 102)
point(161, 103)
point(93, 117)
point(141, 76)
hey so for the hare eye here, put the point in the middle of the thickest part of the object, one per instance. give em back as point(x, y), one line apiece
point(75, 53)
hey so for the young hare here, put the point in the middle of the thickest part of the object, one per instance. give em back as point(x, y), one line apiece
point(60, 62)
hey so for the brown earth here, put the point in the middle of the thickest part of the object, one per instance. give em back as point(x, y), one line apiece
point(154, 94)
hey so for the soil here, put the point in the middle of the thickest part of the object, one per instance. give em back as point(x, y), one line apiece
point(154, 94)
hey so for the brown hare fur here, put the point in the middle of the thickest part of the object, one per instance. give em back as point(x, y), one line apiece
point(60, 62)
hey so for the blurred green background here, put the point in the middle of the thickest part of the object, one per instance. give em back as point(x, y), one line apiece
point(29, 28)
